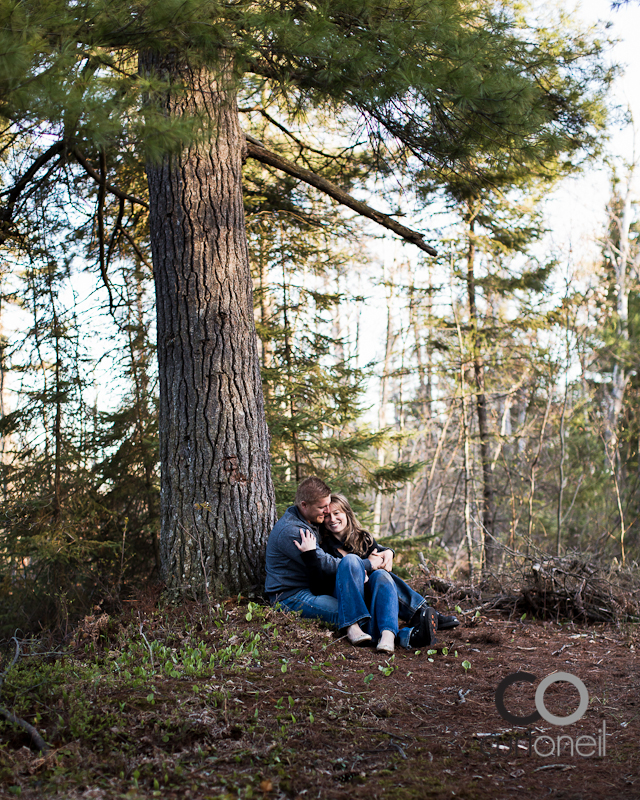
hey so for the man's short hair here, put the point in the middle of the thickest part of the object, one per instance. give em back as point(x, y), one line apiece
point(310, 490)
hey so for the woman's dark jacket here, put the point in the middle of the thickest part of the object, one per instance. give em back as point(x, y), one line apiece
point(321, 582)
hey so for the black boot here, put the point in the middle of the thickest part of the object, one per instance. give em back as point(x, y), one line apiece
point(445, 623)
point(424, 629)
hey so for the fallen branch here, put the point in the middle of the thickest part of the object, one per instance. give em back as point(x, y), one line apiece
point(39, 742)
point(11, 717)
point(146, 641)
point(462, 695)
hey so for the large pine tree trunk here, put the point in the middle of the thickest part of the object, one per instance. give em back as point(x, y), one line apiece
point(217, 501)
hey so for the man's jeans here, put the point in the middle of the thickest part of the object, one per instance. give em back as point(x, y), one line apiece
point(376, 604)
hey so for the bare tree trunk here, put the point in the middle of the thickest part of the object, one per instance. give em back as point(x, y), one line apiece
point(467, 447)
point(382, 411)
point(425, 370)
point(57, 420)
point(619, 252)
point(429, 478)
point(288, 333)
point(561, 476)
point(5, 439)
point(217, 502)
point(488, 508)
point(265, 302)
point(532, 473)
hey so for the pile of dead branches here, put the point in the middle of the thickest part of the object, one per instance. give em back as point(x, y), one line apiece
point(573, 588)
point(558, 588)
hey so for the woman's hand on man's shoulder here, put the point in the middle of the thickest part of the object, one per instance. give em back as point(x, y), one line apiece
point(307, 541)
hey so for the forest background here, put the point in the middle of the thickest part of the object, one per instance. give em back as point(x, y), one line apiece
point(475, 405)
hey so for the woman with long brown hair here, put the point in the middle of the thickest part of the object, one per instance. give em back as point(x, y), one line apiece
point(385, 595)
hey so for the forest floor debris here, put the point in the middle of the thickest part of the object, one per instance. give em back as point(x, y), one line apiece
point(243, 701)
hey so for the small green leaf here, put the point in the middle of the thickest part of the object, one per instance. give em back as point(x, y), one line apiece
point(368, 678)
point(458, 610)
point(523, 617)
point(467, 665)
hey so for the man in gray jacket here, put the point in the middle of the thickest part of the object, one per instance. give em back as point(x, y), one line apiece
point(286, 571)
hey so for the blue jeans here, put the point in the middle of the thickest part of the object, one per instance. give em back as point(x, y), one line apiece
point(375, 605)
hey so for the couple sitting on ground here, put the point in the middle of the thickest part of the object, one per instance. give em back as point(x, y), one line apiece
point(322, 563)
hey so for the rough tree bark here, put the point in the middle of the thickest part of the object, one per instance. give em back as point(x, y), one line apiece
point(217, 501)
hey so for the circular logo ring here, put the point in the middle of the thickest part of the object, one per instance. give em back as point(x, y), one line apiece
point(516, 677)
point(557, 677)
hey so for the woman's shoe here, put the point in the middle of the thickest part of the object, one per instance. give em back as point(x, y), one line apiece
point(386, 643)
point(357, 637)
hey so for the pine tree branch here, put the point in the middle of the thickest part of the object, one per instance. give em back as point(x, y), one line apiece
point(257, 150)
point(109, 186)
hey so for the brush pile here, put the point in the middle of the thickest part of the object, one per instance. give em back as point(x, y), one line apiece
point(558, 588)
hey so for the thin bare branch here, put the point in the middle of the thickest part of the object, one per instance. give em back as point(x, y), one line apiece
point(78, 155)
point(13, 194)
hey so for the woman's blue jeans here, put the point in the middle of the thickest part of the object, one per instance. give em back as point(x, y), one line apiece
point(375, 605)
